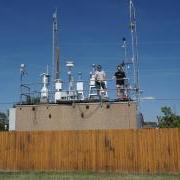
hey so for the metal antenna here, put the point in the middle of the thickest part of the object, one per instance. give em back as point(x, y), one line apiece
point(55, 49)
point(135, 58)
point(70, 65)
point(24, 89)
point(125, 62)
point(22, 73)
point(124, 45)
point(47, 69)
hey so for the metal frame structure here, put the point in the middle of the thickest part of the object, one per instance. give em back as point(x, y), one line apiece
point(24, 89)
point(55, 49)
point(56, 82)
point(134, 44)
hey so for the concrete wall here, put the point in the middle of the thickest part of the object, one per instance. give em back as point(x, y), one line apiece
point(80, 116)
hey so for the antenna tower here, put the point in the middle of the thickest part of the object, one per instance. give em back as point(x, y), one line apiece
point(135, 58)
point(56, 50)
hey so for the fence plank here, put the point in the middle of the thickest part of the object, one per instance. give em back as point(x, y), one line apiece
point(135, 151)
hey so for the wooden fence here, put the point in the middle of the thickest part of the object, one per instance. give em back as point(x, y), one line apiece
point(134, 151)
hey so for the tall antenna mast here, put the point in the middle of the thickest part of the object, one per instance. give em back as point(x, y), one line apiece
point(135, 58)
point(56, 49)
point(57, 83)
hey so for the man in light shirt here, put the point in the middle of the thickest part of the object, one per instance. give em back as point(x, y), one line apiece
point(100, 78)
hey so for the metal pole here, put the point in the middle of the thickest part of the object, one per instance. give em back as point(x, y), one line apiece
point(20, 87)
point(52, 73)
point(56, 52)
point(135, 57)
point(132, 39)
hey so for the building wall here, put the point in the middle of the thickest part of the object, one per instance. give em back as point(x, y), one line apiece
point(12, 119)
point(80, 116)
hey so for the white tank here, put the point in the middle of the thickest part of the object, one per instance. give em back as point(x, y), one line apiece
point(45, 78)
point(80, 90)
point(59, 94)
point(44, 92)
point(44, 89)
point(58, 85)
point(92, 80)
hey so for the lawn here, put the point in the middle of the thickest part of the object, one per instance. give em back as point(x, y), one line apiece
point(80, 176)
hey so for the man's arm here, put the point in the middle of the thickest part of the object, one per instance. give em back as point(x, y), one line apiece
point(124, 75)
point(104, 74)
point(95, 76)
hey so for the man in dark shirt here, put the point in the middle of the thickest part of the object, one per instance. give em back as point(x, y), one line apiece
point(120, 78)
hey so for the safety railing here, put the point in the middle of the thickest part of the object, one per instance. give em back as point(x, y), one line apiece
point(81, 91)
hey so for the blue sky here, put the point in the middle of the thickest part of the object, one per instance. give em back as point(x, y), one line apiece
point(91, 31)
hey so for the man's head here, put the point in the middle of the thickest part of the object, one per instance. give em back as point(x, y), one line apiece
point(99, 67)
point(119, 68)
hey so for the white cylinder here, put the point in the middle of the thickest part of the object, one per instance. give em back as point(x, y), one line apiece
point(79, 86)
point(44, 92)
point(92, 80)
point(60, 95)
point(58, 86)
point(45, 78)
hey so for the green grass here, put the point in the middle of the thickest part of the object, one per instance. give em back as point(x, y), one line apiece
point(80, 176)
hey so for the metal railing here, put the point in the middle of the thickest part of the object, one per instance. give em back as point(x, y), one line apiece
point(87, 93)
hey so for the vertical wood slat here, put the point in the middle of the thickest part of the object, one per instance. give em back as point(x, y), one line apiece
point(143, 150)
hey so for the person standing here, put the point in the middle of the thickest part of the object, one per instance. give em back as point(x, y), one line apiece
point(100, 78)
point(120, 81)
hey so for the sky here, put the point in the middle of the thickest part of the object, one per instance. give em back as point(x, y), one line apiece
point(91, 31)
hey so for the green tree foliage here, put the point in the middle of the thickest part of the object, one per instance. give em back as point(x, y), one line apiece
point(3, 121)
point(169, 118)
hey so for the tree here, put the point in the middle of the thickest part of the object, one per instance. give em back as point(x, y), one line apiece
point(3, 121)
point(169, 118)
